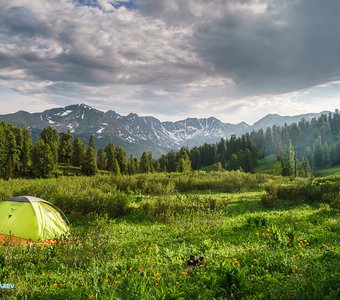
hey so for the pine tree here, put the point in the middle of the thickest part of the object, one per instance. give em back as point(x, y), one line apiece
point(115, 167)
point(183, 163)
point(50, 137)
point(132, 169)
point(120, 155)
point(65, 149)
point(78, 152)
point(306, 170)
point(145, 164)
point(101, 159)
point(12, 153)
point(89, 165)
point(43, 160)
point(110, 156)
point(2, 151)
point(25, 155)
point(92, 142)
point(288, 160)
point(233, 163)
point(195, 157)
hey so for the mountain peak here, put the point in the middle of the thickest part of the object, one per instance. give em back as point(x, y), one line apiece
point(141, 133)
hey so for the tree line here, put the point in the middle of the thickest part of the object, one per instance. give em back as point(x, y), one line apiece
point(301, 149)
point(20, 157)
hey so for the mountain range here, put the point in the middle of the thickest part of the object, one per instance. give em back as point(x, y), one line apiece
point(140, 133)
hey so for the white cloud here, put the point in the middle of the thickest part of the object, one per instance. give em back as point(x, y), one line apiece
point(232, 59)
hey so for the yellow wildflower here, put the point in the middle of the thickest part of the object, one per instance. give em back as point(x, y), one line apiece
point(91, 296)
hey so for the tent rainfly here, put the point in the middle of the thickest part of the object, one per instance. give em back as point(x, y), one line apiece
point(27, 219)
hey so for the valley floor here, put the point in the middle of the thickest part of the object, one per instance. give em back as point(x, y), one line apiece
point(250, 251)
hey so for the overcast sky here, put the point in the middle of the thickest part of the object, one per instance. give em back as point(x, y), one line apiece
point(236, 60)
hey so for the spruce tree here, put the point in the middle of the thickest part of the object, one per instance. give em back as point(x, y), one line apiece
point(65, 149)
point(12, 153)
point(43, 160)
point(131, 166)
point(288, 160)
point(120, 155)
point(110, 156)
point(25, 155)
point(115, 167)
point(78, 152)
point(183, 163)
point(89, 165)
point(145, 164)
point(101, 159)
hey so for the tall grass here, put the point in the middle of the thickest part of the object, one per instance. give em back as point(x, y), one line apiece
point(106, 194)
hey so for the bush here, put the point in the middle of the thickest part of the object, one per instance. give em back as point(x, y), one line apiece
point(318, 190)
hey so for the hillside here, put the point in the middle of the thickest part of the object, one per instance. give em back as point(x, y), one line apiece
point(136, 133)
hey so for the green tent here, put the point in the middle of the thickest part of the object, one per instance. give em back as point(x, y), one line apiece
point(27, 218)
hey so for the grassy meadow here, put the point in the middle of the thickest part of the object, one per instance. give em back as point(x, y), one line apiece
point(262, 237)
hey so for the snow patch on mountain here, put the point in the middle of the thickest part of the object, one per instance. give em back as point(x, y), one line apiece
point(64, 113)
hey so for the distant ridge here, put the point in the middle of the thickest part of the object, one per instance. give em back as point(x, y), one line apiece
point(141, 133)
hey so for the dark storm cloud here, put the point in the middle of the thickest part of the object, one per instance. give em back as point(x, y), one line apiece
point(186, 52)
point(279, 47)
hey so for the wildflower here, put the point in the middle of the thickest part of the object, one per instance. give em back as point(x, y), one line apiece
point(235, 262)
point(130, 269)
point(116, 282)
point(183, 273)
point(60, 284)
point(42, 286)
point(158, 274)
point(140, 269)
point(177, 282)
point(91, 296)
point(248, 249)
point(158, 278)
point(54, 284)
point(334, 250)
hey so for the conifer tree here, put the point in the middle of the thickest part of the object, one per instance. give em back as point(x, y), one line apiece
point(233, 163)
point(183, 164)
point(12, 153)
point(25, 155)
point(65, 148)
point(50, 136)
point(132, 168)
point(43, 160)
point(92, 142)
point(120, 155)
point(115, 167)
point(78, 152)
point(101, 159)
point(145, 164)
point(288, 160)
point(110, 156)
point(89, 165)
